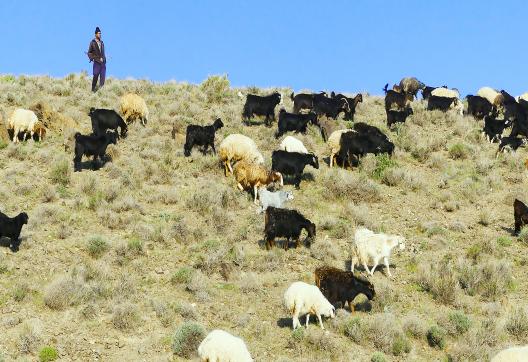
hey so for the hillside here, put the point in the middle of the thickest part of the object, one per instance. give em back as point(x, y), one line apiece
point(113, 261)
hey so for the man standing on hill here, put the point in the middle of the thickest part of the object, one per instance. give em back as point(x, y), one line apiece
point(96, 53)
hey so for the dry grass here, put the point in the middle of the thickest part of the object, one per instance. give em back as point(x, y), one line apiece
point(176, 241)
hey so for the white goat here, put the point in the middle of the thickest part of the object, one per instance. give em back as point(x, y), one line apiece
point(220, 346)
point(275, 199)
point(512, 354)
point(22, 120)
point(302, 298)
point(368, 245)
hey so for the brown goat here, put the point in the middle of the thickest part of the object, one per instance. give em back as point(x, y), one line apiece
point(520, 213)
point(249, 175)
point(340, 286)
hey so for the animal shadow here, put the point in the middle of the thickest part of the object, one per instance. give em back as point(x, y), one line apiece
point(284, 322)
point(511, 231)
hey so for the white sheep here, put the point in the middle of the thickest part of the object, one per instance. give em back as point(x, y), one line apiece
point(302, 298)
point(334, 143)
point(237, 147)
point(493, 96)
point(523, 96)
point(368, 245)
point(22, 120)
point(292, 144)
point(445, 92)
point(133, 107)
point(275, 199)
point(220, 346)
point(512, 354)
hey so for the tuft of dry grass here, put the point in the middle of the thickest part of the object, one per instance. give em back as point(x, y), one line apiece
point(125, 316)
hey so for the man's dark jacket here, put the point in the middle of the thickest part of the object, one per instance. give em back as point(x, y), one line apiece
point(94, 53)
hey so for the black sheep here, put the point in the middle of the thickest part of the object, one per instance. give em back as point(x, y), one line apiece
point(91, 146)
point(292, 122)
point(340, 286)
point(201, 136)
point(293, 163)
point(261, 106)
point(440, 103)
point(287, 224)
point(11, 228)
point(105, 119)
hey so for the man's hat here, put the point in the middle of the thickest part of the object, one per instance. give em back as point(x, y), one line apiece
point(97, 30)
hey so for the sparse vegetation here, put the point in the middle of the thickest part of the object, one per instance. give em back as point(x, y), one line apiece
point(436, 337)
point(154, 239)
point(187, 338)
point(48, 354)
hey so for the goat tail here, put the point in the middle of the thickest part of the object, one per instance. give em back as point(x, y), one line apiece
point(385, 88)
point(292, 95)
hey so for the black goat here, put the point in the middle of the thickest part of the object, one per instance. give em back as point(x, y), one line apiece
point(204, 136)
point(331, 107)
point(401, 100)
point(293, 164)
point(105, 119)
point(261, 106)
point(11, 228)
point(520, 213)
point(440, 103)
point(305, 101)
point(292, 122)
point(91, 146)
point(511, 143)
point(287, 224)
point(479, 107)
point(352, 104)
point(394, 116)
point(366, 139)
point(340, 286)
point(493, 128)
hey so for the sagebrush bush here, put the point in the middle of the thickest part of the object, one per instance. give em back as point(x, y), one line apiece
point(125, 316)
point(182, 276)
point(60, 172)
point(517, 323)
point(436, 337)
point(97, 246)
point(439, 280)
point(187, 338)
point(458, 151)
point(216, 88)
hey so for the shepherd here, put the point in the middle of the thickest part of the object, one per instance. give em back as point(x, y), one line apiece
point(96, 53)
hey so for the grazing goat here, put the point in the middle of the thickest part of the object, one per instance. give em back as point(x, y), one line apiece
point(91, 146)
point(479, 107)
point(365, 139)
point(352, 104)
point(261, 106)
point(105, 119)
point(292, 144)
point(394, 116)
point(237, 147)
point(11, 228)
point(305, 101)
point(302, 298)
point(220, 346)
point(511, 143)
point(494, 128)
point(520, 214)
point(340, 286)
point(440, 103)
point(369, 245)
point(275, 199)
point(331, 107)
point(252, 176)
point(287, 224)
point(411, 85)
point(293, 163)
point(401, 100)
point(134, 107)
point(334, 143)
point(292, 122)
point(203, 136)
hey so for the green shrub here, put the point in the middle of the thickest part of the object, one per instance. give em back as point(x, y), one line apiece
point(135, 246)
point(353, 328)
point(216, 88)
point(48, 354)
point(97, 246)
point(436, 337)
point(400, 345)
point(504, 241)
point(378, 357)
point(60, 173)
point(187, 338)
point(3, 144)
point(298, 334)
point(20, 292)
point(459, 323)
point(182, 276)
point(383, 163)
point(458, 151)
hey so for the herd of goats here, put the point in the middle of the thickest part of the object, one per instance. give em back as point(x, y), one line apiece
point(240, 156)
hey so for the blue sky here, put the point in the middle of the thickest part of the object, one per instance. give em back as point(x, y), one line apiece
point(334, 45)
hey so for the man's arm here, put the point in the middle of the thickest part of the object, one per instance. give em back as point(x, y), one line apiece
point(91, 52)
